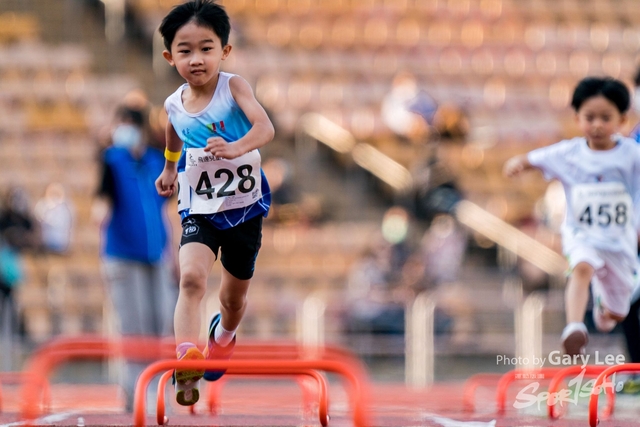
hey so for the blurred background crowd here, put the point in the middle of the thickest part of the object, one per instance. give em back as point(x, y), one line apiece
point(387, 114)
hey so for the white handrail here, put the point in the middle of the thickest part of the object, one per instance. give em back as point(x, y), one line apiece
point(509, 237)
point(321, 129)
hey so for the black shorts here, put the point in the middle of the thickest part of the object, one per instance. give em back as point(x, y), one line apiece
point(239, 245)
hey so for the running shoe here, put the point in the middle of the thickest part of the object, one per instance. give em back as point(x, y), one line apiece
point(187, 381)
point(574, 338)
point(214, 351)
point(631, 385)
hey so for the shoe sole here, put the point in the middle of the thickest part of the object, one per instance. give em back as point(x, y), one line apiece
point(574, 343)
point(187, 397)
point(185, 376)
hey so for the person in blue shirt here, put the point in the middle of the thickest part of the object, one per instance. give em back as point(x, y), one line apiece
point(136, 257)
point(213, 134)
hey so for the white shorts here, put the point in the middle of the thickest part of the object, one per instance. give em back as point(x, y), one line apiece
point(614, 279)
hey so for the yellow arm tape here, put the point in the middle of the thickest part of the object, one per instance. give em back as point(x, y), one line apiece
point(172, 156)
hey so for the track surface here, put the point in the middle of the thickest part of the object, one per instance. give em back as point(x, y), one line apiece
point(280, 403)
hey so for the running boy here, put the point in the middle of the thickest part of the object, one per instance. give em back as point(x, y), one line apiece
point(600, 173)
point(214, 130)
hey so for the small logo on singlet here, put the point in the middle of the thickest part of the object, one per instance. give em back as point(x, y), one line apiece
point(192, 160)
point(187, 135)
point(216, 127)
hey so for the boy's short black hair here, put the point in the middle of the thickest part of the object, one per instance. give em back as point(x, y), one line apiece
point(612, 89)
point(204, 13)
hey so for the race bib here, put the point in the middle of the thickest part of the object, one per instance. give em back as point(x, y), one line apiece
point(184, 192)
point(218, 185)
point(603, 209)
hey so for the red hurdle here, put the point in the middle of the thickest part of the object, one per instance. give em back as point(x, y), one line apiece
point(558, 378)
point(517, 375)
point(472, 383)
point(323, 403)
point(271, 358)
point(352, 373)
point(22, 377)
point(593, 399)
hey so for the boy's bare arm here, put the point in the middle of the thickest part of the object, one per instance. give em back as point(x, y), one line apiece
point(515, 165)
point(165, 184)
point(261, 131)
point(173, 141)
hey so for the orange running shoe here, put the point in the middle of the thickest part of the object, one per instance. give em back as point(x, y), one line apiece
point(187, 381)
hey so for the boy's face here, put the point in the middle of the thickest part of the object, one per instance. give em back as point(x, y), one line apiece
point(197, 53)
point(598, 119)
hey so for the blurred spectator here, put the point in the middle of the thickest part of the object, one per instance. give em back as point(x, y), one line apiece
point(435, 190)
point(376, 299)
point(534, 278)
point(11, 274)
point(279, 172)
point(412, 113)
point(451, 122)
point(443, 249)
point(11, 270)
point(396, 231)
point(371, 307)
point(55, 214)
point(136, 251)
point(17, 235)
point(16, 220)
point(284, 203)
point(406, 109)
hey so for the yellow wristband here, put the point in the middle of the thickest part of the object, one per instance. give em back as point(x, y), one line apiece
point(172, 156)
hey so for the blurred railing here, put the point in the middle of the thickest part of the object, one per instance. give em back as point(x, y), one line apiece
point(314, 127)
point(419, 333)
point(419, 317)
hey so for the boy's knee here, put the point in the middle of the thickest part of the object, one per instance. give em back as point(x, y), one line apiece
point(233, 304)
point(583, 270)
point(193, 282)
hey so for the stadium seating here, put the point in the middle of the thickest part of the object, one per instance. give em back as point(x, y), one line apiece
point(507, 66)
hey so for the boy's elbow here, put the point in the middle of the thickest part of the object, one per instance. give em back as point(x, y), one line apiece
point(270, 132)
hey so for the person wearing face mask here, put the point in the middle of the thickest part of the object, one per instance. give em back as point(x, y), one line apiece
point(136, 257)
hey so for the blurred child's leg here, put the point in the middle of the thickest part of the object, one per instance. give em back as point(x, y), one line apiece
point(575, 336)
point(612, 290)
point(603, 318)
point(576, 295)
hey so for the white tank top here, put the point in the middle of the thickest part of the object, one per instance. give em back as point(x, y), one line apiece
point(209, 185)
